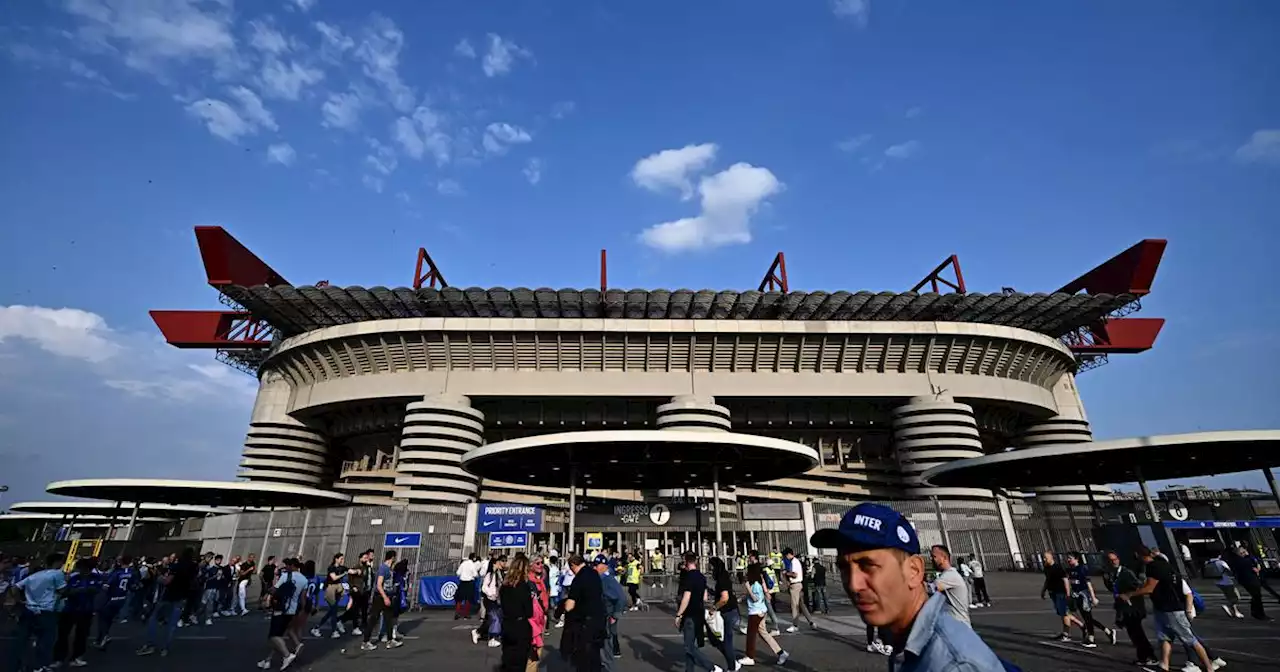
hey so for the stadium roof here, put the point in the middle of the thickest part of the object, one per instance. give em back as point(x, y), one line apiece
point(294, 310)
point(231, 494)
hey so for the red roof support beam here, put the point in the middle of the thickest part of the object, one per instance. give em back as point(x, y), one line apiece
point(1120, 336)
point(776, 277)
point(935, 277)
point(604, 271)
point(432, 277)
point(212, 329)
point(1130, 272)
point(227, 262)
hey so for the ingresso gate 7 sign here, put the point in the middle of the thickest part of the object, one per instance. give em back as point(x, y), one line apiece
point(509, 518)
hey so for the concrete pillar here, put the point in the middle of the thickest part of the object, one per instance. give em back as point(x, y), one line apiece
point(810, 526)
point(1010, 536)
point(437, 432)
point(469, 531)
point(929, 431)
point(278, 448)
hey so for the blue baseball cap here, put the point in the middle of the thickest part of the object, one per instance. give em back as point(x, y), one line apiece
point(867, 527)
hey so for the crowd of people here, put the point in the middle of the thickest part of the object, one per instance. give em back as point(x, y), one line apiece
point(921, 622)
point(57, 609)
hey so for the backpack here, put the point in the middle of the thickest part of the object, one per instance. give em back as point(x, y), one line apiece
point(768, 581)
point(285, 592)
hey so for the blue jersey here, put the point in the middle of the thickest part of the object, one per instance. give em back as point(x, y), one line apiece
point(119, 582)
point(82, 589)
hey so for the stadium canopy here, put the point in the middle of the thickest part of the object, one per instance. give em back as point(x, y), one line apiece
point(80, 521)
point(89, 509)
point(227, 494)
point(294, 310)
point(1145, 458)
point(640, 458)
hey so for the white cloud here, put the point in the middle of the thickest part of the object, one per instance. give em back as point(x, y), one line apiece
point(857, 11)
point(404, 197)
point(422, 134)
point(672, 168)
point(383, 159)
point(379, 53)
point(373, 183)
point(66, 332)
point(281, 153)
point(533, 170)
point(498, 137)
point(252, 108)
point(151, 34)
point(854, 143)
point(1263, 147)
point(913, 112)
point(562, 109)
point(279, 79)
point(335, 42)
point(54, 61)
point(729, 199)
point(501, 56)
point(449, 187)
point(464, 49)
point(228, 122)
point(304, 5)
point(134, 363)
point(267, 39)
point(904, 150)
point(341, 110)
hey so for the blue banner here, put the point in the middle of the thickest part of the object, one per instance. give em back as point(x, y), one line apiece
point(508, 540)
point(509, 518)
point(402, 540)
point(440, 591)
point(1211, 524)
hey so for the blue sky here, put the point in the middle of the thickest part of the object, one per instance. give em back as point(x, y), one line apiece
point(867, 140)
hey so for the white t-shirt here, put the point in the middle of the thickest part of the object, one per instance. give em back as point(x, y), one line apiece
point(1186, 590)
point(794, 565)
point(467, 570)
point(976, 568)
point(1226, 579)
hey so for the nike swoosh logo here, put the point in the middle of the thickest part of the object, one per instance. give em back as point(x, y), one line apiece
point(401, 540)
point(486, 523)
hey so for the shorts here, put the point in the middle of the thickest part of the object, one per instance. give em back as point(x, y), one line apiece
point(1059, 603)
point(1231, 593)
point(279, 625)
point(1174, 626)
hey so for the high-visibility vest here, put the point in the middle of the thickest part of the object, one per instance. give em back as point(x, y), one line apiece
point(740, 563)
point(656, 562)
point(775, 560)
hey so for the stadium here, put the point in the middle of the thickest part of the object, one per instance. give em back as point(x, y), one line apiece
point(377, 393)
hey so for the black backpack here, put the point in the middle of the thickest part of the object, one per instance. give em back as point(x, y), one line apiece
point(285, 593)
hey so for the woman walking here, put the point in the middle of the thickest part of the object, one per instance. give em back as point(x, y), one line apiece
point(516, 597)
point(725, 601)
point(756, 612)
point(334, 587)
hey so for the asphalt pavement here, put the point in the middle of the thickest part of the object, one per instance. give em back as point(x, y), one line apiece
point(1019, 626)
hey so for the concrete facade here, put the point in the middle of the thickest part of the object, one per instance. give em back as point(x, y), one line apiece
point(383, 409)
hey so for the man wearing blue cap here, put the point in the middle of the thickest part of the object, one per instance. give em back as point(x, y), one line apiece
point(878, 554)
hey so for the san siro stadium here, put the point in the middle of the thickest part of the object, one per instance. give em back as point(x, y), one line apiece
point(377, 393)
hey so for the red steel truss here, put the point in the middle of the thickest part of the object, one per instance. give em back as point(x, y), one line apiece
point(212, 329)
point(228, 262)
point(935, 277)
point(1130, 272)
point(432, 277)
point(775, 279)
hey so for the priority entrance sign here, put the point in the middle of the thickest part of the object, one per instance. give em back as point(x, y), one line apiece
point(509, 518)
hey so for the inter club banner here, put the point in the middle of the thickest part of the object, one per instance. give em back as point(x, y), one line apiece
point(440, 591)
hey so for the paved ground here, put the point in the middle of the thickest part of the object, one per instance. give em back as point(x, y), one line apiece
point(1019, 627)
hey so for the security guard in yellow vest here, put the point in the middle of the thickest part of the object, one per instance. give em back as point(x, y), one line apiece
point(775, 560)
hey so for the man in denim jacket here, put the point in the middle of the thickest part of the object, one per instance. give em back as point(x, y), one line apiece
point(878, 554)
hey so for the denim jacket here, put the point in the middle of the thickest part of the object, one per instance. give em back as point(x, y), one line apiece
point(939, 643)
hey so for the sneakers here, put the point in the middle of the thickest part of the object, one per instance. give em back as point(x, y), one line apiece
point(368, 646)
point(1218, 663)
point(395, 644)
point(493, 643)
point(288, 660)
point(1089, 644)
point(782, 658)
point(341, 628)
point(78, 662)
point(1190, 666)
point(335, 635)
point(208, 621)
point(264, 664)
point(315, 632)
point(793, 629)
point(356, 632)
point(1064, 637)
point(774, 633)
point(146, 650)
point(475, 637)
point(1111, 634)
point(746, 661)
point(717, 668)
